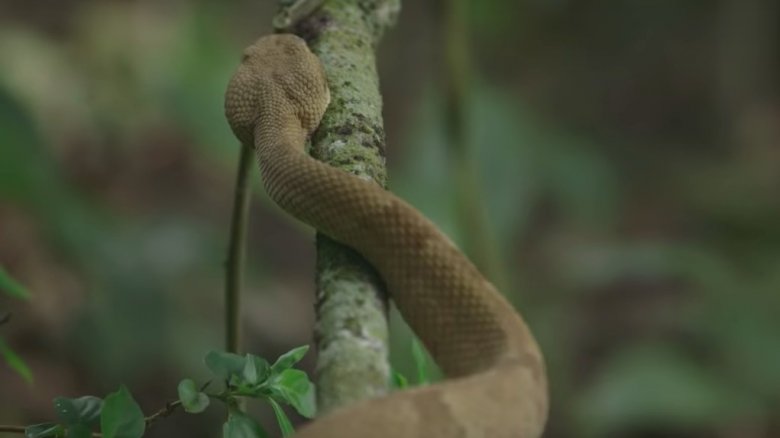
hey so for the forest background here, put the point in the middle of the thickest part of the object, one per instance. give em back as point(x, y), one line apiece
point(628, 158)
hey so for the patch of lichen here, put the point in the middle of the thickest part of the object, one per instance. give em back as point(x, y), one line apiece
point(361, 309)
point(350, 136)
point(351, 330)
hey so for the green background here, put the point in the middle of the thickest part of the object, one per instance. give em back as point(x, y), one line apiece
point(628, 156)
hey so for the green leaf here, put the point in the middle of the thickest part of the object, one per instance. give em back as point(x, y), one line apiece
point(399, 381)
point(15, 362)
point(293, 387)
point(256, 369)
point(420, 362)
point(83, 410)
point(78, 430)
point(281, 418)
point(224, 365)
point(289, 359)
point(11, 286)
point(44, 430)
point(241, 426)
point(122, 417)
point(192, 400)
point(249, 373)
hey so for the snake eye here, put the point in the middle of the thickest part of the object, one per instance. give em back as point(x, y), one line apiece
point(244, 57)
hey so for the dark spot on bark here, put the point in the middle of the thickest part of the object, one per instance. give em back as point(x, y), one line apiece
point(367, 7)
point(311, 27)
point(344, 130)
point(353, 326)
point(378, 145)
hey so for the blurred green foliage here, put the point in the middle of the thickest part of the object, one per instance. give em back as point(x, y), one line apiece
point(627, 153)
point(12, 288)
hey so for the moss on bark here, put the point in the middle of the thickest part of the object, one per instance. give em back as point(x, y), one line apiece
point(351, 331)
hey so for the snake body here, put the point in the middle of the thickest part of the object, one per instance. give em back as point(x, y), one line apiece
point(496, 384)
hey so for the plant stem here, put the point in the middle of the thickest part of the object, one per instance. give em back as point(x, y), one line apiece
point(20, 430)
point(236, 251)
point(166, 411)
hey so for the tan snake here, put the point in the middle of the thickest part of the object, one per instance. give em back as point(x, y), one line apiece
point(496, 384)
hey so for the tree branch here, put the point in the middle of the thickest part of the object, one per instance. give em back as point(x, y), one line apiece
point(351, 330)
point(234, 264)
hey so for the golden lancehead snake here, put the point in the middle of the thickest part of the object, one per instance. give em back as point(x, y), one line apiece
point(496, 384)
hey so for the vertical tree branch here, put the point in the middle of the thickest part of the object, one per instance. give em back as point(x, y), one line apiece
point(234, 264)
point(351, 330)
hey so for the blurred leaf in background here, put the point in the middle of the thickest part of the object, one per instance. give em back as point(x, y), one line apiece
point(12, 287)
point(15, 362)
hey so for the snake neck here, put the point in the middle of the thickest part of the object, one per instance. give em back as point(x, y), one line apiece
point(278, 132)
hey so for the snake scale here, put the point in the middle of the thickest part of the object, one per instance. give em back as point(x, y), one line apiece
point(496, 383)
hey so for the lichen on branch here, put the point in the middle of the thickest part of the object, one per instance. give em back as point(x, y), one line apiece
point(351, 330)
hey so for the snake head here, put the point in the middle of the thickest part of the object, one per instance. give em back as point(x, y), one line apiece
point(279, 86)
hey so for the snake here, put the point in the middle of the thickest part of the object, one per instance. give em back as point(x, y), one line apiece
point(495, 380)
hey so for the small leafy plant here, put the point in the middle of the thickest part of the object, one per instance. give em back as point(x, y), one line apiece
point(249, 376)
point(118, 416)
point(253, 377)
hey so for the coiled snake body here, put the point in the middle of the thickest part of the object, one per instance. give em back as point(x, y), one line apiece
point(496, 384)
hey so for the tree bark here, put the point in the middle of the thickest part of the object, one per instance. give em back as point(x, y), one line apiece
point(351, 331)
